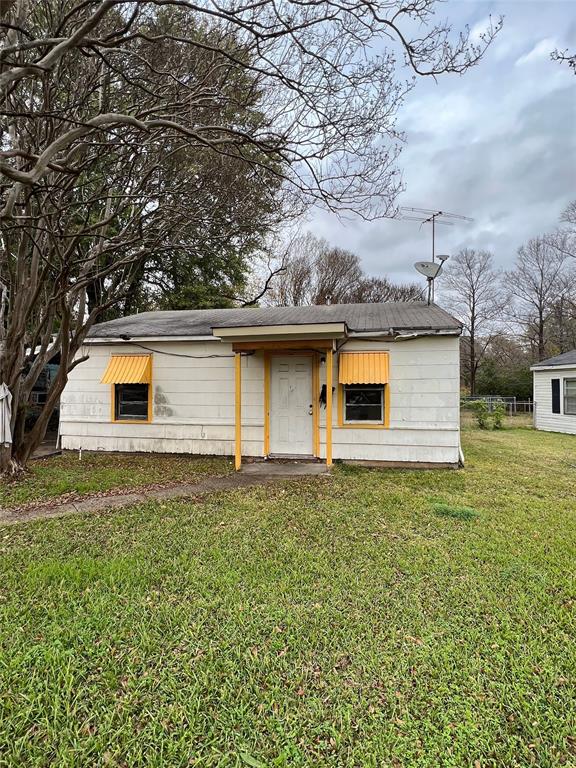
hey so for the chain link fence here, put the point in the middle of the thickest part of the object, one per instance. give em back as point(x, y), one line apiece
point(513, 405)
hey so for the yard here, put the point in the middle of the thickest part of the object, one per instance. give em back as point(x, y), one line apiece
point(73, 475)
point(370, 619)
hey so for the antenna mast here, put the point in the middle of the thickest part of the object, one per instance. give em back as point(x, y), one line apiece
point(434, 217)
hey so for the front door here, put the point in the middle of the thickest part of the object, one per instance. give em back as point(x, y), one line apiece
point(291, 431)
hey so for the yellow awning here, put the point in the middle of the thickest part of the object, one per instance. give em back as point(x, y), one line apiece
point(128, 369)
point(363, 368)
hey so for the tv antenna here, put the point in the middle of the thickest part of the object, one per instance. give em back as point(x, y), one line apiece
point(432, 216)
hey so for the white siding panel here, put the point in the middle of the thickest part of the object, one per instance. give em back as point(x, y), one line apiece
point(544, 419)
point(160, 445)
point(411, 453)
point(379, 437)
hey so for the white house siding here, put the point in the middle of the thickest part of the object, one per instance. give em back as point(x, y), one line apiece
point(194, 404)
point(424, 405)
point(193, 410)
point(544, 419)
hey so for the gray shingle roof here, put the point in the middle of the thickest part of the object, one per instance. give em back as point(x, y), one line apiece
point(400, 316)
point(568, 358)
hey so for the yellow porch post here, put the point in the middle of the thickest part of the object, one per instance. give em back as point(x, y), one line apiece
point(266, 403)
point(238, 410)
point(329, 408)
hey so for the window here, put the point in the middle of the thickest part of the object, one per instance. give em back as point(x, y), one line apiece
point(362, 397)
point(131, 402)
point(130, 377)
point(364, 403)
point(570, 396)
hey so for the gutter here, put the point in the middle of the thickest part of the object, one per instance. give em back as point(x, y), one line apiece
point(461, 460)
point(391, 333)
point(114, 339)
point(398, 336)
point(563, 367)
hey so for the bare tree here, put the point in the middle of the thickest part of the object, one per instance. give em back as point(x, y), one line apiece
point(372, 290)
point(537, 282)
point(109, 107)
point(564, 238)
point(561, 325)
point(315, 272)
point(472, 289)
point(569, 215)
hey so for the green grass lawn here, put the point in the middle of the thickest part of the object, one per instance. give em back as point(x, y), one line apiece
point(66, 475)
point(370, 619)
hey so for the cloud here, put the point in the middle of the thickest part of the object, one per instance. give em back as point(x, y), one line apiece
point(497, 144)
point(541, 50)
point(478, 30)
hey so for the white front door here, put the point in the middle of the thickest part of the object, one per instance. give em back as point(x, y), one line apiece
point(291, 405)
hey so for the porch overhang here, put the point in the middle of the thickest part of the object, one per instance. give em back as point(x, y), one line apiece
point(283, 345)
point(317, 340)
point(293, 333)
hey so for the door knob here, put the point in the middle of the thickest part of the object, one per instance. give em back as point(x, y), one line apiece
point(310, 409)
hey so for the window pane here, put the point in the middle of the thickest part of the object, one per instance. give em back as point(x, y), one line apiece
point(363, 413)
point(361, 397)
point(363, 403)
point(570, 396)
point(132, 402)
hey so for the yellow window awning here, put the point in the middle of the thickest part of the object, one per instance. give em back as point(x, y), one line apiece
point(363, 368)
point(128, 369)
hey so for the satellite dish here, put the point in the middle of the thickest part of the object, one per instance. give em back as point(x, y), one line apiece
point(428, 268)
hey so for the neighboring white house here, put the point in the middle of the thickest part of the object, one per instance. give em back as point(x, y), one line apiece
point(555, 393)
point(260, 383)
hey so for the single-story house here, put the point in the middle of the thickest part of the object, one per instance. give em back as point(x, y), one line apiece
point(555, 393)
point(366, 382)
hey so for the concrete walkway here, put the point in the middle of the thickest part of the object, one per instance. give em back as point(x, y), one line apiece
point(258, 473)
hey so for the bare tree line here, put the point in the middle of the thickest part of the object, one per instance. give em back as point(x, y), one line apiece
point(532, 305)
point(314, 272)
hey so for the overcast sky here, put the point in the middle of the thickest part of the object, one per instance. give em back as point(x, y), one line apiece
point(497, 144)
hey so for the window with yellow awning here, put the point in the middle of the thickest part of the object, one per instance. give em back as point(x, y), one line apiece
point(130, 377)
point(363, 379)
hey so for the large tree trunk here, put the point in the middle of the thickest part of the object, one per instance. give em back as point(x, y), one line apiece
point(5, 459)
point(541, 339)
point(472, 362)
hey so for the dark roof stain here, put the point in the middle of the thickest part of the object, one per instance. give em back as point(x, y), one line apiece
point(399, 316)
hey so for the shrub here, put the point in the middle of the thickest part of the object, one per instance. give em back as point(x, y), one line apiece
point(486, 418)
point(498, 413)
point(480, 408)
